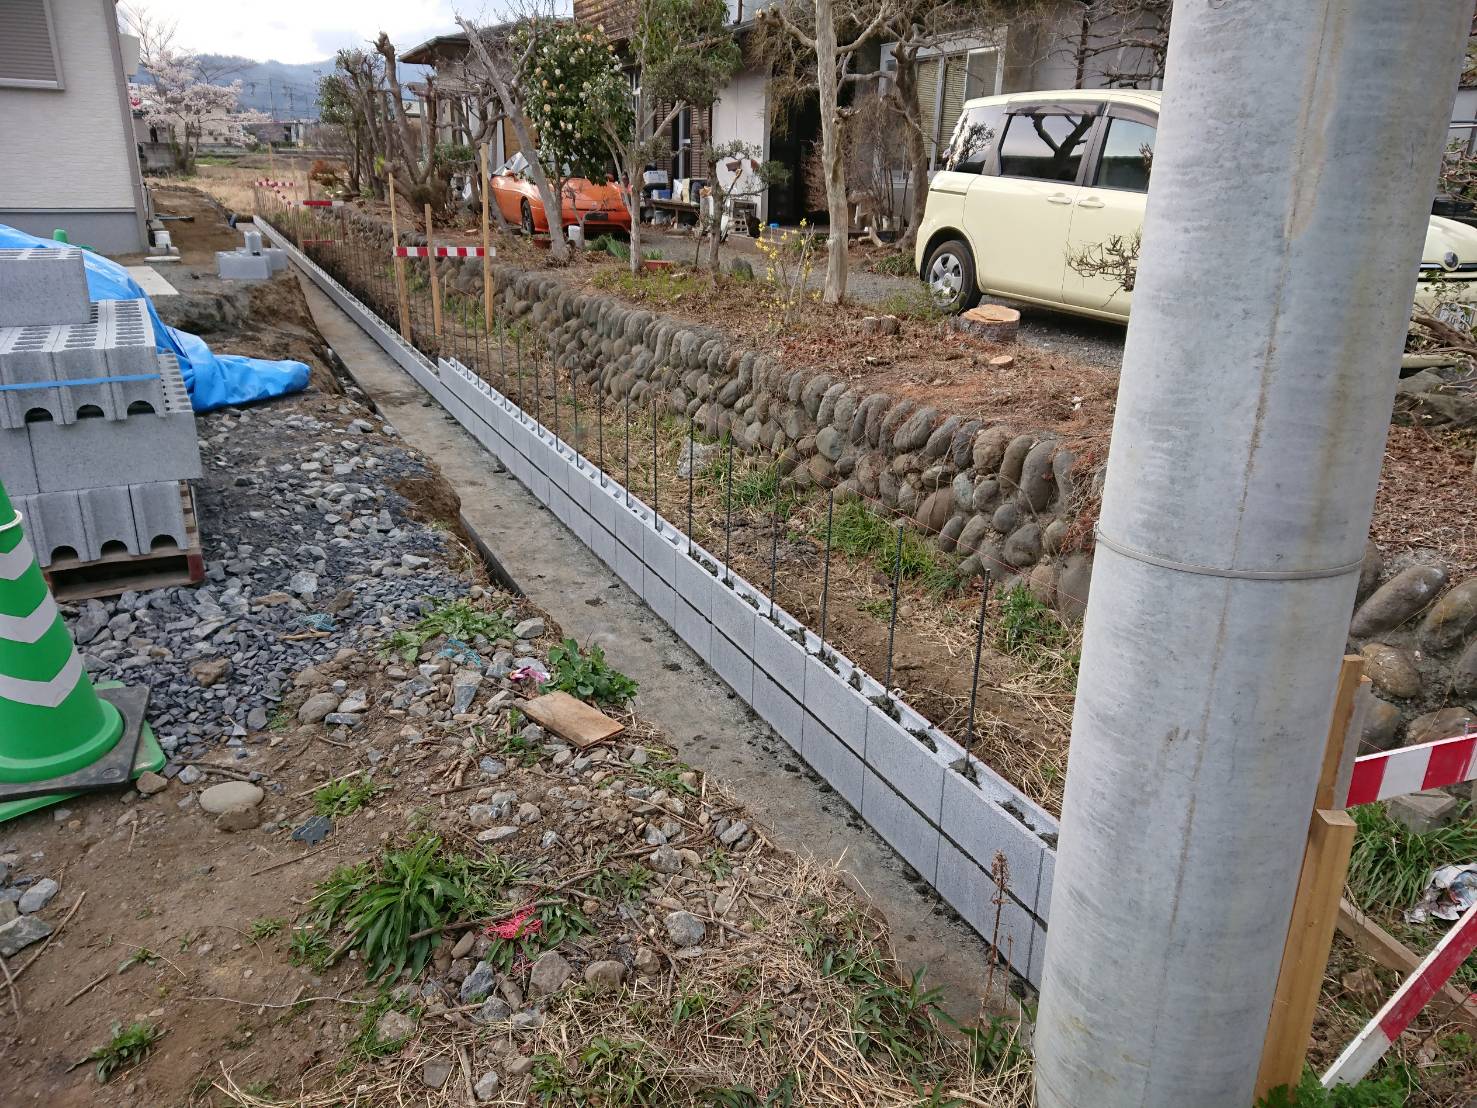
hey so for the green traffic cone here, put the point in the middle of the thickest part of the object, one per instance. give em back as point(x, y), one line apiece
point(52, 722)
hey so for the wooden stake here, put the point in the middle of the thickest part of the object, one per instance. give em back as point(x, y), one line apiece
point(1315, 911)
point(486, 247)
point(401, 293)
point(435, 279)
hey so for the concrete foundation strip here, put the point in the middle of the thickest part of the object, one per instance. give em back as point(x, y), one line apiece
point(1410, 769)
point(946, 814)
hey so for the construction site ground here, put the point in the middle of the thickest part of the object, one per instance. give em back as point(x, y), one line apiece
point(166, 919)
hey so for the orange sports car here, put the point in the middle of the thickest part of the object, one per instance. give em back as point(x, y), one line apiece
point(600, 206)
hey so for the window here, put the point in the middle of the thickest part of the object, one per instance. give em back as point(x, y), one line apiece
point(28, 57)
point(1128, 155)
point(981, 71)
point(974, 139)
point(1045, 145)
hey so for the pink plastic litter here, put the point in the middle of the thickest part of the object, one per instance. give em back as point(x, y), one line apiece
point(520, 923)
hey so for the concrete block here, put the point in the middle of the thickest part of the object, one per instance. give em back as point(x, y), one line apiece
point(733, 665)
point(980, 827)
point(603, 544)
point(559, 503)
point(119, 341)
point(253, 242)
point(145, 447)
point(1428, 810)
point(901, 825)
point(660, 555)
point(836, 704)
point(836, 763)
point(629, 567)
point(538, 482)
point(603, 508)
point(276, 258)
point(778, 708)
point(778, 655)
point(631, 525)
point(42, 285)
point(159, 516)
point(233, 265)
point(969, 891)
point(54, 525)
point(733, 616)
point(906, 763)
point(17, 465)
point(108, 523)
point(693, 583)
point(692, 627)
point(659, 596)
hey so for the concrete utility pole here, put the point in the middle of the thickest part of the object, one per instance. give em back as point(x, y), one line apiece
point(1293, 175)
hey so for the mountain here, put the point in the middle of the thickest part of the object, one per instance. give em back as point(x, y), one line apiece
point(284, 91)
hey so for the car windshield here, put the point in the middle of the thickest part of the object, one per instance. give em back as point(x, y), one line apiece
point(516, 166)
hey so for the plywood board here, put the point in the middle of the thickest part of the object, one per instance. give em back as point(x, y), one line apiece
point(572, 719)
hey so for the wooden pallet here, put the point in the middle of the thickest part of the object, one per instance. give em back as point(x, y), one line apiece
point(74, 579)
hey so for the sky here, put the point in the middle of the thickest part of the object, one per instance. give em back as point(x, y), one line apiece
point(297, 31)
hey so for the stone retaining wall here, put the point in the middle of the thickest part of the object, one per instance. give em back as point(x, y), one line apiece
point(1015, 501)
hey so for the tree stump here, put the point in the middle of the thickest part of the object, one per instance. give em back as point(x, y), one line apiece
point(991, 322)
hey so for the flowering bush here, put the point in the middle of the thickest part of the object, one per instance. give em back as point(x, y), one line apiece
point(576, 86)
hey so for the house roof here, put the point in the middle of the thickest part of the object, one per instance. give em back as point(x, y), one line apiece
point(436, 49)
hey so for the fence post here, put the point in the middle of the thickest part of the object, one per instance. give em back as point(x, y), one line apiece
point(402, 294)
point(486, 246)
point(435, 280)
point(1315, 911)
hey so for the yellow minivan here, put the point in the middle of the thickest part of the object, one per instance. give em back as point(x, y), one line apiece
point(1030, 180)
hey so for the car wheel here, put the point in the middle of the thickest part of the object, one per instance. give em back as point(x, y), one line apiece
point(527, 218)
point(949, 274)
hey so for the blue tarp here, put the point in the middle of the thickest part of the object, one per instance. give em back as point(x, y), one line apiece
point(214, 380)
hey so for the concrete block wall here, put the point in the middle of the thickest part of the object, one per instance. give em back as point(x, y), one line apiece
point(947, 815)
point(89, 524)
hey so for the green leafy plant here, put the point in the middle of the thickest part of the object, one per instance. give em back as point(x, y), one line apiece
point(265, 928)
point(1385, 1093)
point(393, 913)
point(340, 798)
point(456, 619)
point(613, 246)
point(127, 1047)
point(143, 956)
point(1391, 864)
point(310, 947)
point(1028, 628)
point(557, 921)
point(690, 1004)
point(587, 676)
point(368, 1044)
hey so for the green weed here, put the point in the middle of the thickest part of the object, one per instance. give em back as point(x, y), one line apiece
point(456, 619)
point(753, 486)
point(687, 1005)
point(913, 303)
point(127, 1047)
point(310, 947)
point(409, 892)
point(265, 928)
point(1385, 1093)
point(859, 532)
point(899, 264)
point(143, 956)
point(558, 921)
point(1391, 864)
point(664, 286)
point(341, 798)
point(367, 1044)
point(587, 676)
point(1029, 629)
point(613, 246)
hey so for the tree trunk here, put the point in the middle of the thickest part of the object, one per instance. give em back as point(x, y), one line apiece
point(905, 92)
point(831, 155)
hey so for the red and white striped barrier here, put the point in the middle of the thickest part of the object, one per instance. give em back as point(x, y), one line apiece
point(1369, 1046)
point(267, 183)
point(322, 203)
point(1413, 768)
point(443, 252)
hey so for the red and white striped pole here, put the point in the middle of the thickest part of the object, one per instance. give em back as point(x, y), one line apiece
point(1411, 769)
point(1369, 1046)
point(444, 252)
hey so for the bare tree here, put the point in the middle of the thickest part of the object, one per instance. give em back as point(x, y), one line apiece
point(818, 26)
point(1125, 41)
point(504, 60)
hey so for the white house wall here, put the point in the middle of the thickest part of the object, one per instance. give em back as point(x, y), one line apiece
point(740, 113)
point(69, 158)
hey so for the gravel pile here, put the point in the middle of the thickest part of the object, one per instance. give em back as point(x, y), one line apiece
point(307, 545)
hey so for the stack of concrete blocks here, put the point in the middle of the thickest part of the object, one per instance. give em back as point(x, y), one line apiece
point(96, 429)
point(250, 261)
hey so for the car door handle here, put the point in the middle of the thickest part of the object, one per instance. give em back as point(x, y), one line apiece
point(1091, 202)
point(1059, 198)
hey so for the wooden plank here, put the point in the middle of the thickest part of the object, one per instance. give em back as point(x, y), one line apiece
point(1392, 954)
point(435, 278)
point(1309, 939)
point(1315, 909)
point(572, 719)
point(401, 293)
